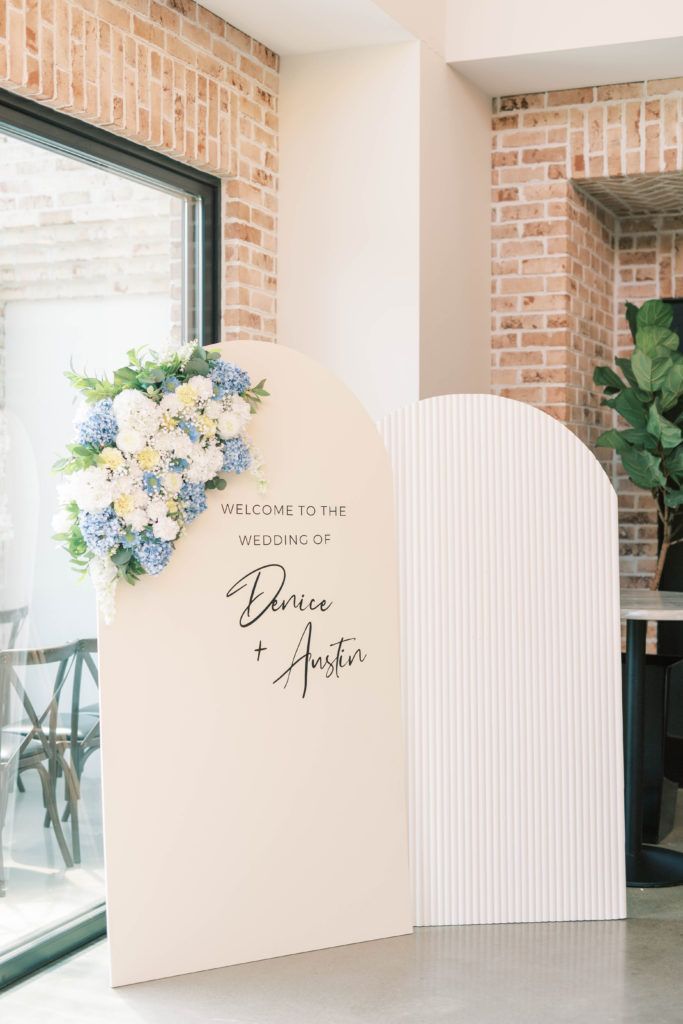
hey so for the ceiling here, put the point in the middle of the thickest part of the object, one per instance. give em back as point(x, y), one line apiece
point(310, 26)
point(637, 194)
point(571, 69)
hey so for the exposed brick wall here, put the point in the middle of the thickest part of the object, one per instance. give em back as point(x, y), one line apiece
point(174, 77)
point(564, 263)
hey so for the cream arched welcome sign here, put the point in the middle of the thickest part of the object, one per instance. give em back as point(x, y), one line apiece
point(254, 791)
point(510, 662)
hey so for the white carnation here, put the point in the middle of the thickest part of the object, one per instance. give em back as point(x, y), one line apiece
point(156, 508)
point(137, 519)
point(130, 440)
point(136, 411)
point(182, 446)
point(213, 409)
point(171, 404)
point(229, 424)
point(241, 409)
point(92, 489)
point(202, 386)
point(165, 528)
point(204, 464)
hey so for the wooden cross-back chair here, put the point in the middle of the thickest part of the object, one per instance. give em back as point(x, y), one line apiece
point(38, 743)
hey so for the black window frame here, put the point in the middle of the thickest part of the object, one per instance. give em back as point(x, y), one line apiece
point(59, 132)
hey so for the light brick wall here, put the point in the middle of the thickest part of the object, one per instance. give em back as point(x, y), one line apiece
point(172, 76)
point(563, 264)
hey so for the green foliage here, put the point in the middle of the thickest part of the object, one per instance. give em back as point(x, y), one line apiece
point(649, 397)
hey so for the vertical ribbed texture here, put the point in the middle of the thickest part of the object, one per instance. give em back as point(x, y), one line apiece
point(510, 663)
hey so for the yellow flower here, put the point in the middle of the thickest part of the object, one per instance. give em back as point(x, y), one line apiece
point(173, 482)
point(172, 505)
point(168, 421)
point(148, 458)
point(124, 505)
point(111, 458)
point(207, 426)
point(186, 394)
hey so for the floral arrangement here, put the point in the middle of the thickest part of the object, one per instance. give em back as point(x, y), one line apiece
point(149, 443)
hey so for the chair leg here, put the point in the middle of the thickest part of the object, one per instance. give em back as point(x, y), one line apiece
point(73, 795)
point(53, 813)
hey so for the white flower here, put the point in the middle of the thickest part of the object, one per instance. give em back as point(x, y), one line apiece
point(130, 440)
point(92, 489)
point(182, 446)
point(104, 576)
point(61, 521)
point(202, 386)
point(136, 411)
point(172, 482)
point(156, 508)
point(165, 528)
point(137, 519)
point(257, 469)
point(171, 404)
point(213, 409)
point(241, 409)
point(204, 463)
point(229, 424)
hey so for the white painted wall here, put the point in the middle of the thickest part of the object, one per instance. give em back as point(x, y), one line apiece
point(455, 152)
point(494, 28)
point(384, 222)
point(348, 264)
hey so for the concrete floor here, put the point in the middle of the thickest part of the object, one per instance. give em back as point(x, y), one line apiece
point(611, 972)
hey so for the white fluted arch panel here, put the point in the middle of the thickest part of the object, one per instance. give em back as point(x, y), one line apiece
point(510, 661)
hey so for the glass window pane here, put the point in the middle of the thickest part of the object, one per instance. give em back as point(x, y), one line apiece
point(91, 264)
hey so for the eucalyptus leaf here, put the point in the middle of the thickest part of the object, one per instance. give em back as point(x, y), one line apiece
point(198, 366)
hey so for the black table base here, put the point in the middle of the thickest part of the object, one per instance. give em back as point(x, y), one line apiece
point(654, 866)
point(646, 866)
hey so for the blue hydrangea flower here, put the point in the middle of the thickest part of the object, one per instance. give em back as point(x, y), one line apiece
point(101, 530)
point(236, 456)
point(151, 483)
point(228, 379)
point(153, 554)
point(178, 465)
point(130, 539)
point(169, 384)
point(193, 499)
point(189, 429)
point(99, 428)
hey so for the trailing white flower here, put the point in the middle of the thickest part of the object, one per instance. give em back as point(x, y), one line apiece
point(165, 528)
point(104, 577)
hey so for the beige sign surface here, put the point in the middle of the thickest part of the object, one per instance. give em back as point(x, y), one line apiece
point(252, 754)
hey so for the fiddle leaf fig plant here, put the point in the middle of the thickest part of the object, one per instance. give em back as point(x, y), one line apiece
point(649, 397)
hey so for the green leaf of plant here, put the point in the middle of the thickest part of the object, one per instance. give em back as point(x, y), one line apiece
point(672, 389)
point(650, 373)
point(625, 367)
point(673, 462)
point(122, 556)
point(639, 438)
point(628, 405)
point(632, 318)
point(197, 366)
point(604, 376)
point(656, 341)
point(666, 432)
point(612, 439)
point(674, 499)
point(655, 313)
point(643, 468)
